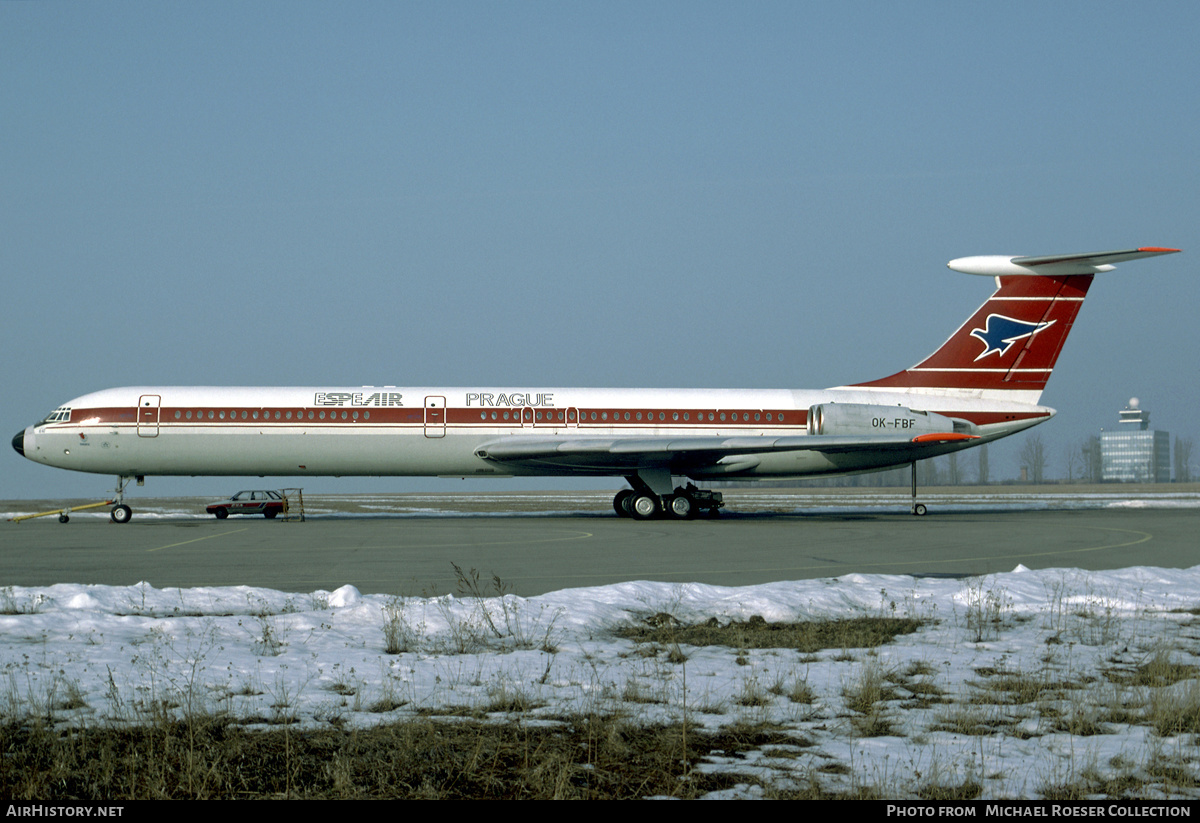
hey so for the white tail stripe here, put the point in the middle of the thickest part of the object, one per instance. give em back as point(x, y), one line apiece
point(1043, 299)
point(997, 371)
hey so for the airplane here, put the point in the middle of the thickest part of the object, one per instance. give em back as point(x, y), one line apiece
point(982, 384)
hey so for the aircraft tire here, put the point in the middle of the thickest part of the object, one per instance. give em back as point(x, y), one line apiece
point(919, 510)
point(682, 507)
point(62, 518)
point(121, 513)
point(621, 502)
point(645, 507)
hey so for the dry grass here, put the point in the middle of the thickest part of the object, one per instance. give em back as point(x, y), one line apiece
point(1012, 688)
point(1158, 776)
point(580, 758)
point(756, 633)
point(974, 721)
point(1159, 670)
point(869, 689)
point(969, 789)
point(1175, 711)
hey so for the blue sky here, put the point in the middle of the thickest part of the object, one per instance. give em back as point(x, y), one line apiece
point(558, 194)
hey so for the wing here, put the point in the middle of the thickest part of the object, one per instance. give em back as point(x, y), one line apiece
point(680, 455)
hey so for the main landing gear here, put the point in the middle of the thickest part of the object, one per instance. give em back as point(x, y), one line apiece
point(684, 503)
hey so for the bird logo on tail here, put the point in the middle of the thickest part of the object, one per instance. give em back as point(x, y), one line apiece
point(999, 333)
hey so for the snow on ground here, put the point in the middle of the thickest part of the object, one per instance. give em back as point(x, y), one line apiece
point(998, 686)
point(92, 654)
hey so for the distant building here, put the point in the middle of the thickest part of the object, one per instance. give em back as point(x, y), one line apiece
point(1135, 453)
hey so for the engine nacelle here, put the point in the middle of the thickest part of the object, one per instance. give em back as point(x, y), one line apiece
point(864, 418)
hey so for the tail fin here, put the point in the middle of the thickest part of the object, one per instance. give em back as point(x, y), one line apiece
point(1008, 347)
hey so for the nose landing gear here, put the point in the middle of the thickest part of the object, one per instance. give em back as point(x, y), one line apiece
point(121, 513)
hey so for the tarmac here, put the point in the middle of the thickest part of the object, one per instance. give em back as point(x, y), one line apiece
point(531, 552)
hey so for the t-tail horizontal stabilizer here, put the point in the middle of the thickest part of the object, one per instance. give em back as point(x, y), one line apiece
point(999, 265)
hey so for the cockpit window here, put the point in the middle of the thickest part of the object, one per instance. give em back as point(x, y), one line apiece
point(59, 415)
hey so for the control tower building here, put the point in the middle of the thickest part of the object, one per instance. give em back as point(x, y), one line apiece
point(1133, 452)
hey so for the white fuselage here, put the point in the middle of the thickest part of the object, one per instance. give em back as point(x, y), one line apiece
point(433, 431)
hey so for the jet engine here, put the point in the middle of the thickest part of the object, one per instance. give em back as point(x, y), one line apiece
point(864, 418)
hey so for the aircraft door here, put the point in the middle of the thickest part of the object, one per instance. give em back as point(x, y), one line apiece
point(147, 415)
point(435, 416)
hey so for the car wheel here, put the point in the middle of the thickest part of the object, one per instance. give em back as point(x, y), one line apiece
point(221, 513)
point(270, 513)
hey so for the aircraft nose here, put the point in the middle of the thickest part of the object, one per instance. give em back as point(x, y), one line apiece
point(19, 442)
